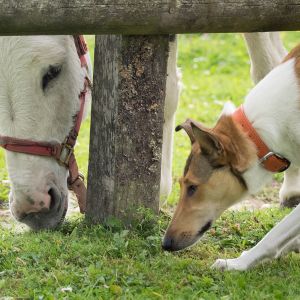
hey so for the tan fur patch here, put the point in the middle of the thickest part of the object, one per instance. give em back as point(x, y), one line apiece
point(239, 150)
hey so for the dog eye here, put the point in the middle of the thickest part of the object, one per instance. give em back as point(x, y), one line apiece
point(51, 74)
point(191, 190)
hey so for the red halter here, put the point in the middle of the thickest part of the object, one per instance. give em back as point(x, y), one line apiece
point(64, 152)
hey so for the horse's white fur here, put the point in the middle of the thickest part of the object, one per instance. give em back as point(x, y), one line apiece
point(171, 102)
point(265, 50)
point(273, 108)
point(28, 112)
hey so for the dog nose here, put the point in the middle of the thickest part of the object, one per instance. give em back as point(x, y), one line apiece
point(25, 203)
point(168, 244)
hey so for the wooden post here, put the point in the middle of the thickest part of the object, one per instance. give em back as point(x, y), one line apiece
point(126, 125)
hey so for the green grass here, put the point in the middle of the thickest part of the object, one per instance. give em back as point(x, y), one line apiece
point(79, 261)
point(98, 263)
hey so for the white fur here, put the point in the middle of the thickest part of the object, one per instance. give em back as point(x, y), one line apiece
point(28, 112)
point(265, 50)
point(228, 109)
point(273, 109)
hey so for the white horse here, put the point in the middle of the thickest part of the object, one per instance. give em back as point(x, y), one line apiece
point(40, 80)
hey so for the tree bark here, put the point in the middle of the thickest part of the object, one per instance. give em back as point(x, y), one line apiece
point(146, 17)
point(126, 125)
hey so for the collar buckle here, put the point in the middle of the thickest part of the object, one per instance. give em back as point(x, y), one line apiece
point(285, 163)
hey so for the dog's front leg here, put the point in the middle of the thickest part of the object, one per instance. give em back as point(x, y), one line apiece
point(279, 240)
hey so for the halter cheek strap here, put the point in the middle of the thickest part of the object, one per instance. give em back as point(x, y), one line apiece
point(64, 152)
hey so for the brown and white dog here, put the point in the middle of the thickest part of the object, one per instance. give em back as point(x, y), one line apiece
point(237, 157)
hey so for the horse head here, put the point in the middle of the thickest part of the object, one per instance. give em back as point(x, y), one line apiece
point(41, 78)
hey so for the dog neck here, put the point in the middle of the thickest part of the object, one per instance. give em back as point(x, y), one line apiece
point(256, 177)
point(272, 108)
point(270, 160)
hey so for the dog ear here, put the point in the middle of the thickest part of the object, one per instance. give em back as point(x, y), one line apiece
point(187, 128)
point(209, 142)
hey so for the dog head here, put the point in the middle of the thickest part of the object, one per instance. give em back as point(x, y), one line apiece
point(212, 180)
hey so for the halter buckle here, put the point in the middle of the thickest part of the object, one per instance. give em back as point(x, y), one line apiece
point(65, 154)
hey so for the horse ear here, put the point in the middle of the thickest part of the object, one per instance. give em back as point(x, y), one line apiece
point(187, 128)
point(208, 141)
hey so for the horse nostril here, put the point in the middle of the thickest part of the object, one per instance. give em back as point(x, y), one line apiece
point(51, 193)
point(22, 216)
point(168, 244)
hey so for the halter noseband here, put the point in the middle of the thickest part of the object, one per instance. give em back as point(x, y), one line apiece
point(64, 152)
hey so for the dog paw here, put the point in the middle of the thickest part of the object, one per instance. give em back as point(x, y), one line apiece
point(290, 202)
point(229, 264)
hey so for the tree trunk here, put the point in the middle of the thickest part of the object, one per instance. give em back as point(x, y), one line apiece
point(126, 126)
point(146, 17)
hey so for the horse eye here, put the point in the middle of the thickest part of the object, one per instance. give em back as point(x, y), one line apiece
point(191, 190)
point(51, 74)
